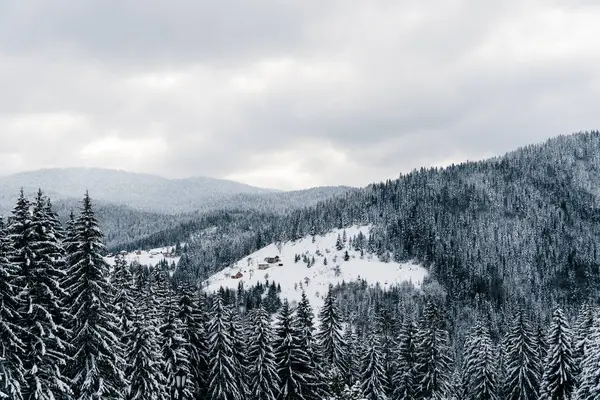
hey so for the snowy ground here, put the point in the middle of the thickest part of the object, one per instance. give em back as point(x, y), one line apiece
point(293, 277)
point(149, 258)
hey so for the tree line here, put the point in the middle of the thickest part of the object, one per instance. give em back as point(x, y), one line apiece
point(518, 228)
point(72, 327)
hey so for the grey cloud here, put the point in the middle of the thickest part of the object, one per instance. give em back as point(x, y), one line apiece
point(335, 93)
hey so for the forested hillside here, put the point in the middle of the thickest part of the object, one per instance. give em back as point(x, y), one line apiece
point(521, 228)
point(73, 328)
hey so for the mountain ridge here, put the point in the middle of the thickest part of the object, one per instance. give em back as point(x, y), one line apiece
point(143, 192)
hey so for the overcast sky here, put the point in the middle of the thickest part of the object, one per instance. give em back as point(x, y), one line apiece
point(290, 94)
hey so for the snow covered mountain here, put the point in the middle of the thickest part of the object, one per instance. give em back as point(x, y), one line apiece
point(288, 264)
point(139, 191)
point(149, 193)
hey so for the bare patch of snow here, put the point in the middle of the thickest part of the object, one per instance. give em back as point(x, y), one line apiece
point(149, 258)
point(296, 276)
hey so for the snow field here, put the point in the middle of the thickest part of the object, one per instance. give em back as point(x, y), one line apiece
point(296, 276)
point(149, 258)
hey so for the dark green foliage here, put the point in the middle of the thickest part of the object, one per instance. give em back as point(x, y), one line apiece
point(480, 376)
point(293, 362)
point(97, 364)
point(522, 361)
point(433, 355)
point(39, 256)
point(11, 345)
point(224, 375)
point(329, 337)
point(193, 316)
point(374, 379)
point(264, 381)
point(558, 380)
point(404, 380)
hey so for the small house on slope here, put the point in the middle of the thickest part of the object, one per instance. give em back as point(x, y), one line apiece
point(237, 276)
point(272, 260)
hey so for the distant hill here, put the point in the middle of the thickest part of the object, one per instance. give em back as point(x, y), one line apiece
point(135, 206)
point(139, 191)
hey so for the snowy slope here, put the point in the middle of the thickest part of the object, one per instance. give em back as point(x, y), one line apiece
point(293, 277)
point(149, 258)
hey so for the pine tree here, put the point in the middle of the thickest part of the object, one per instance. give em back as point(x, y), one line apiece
point(583, 331)
point(41, 310)
point(339, 245)
point(144, 358)
point(264, 381)
point(542, 349)
point(480, 376)
point(330, 335)
point(558, 380)
point(353, 359)
point(70, 240)
point(97, 365)
point(124, 298)
point(292, 360)
point(374, 377)
point(404, 379)
point(222, 384)
point(433, 360)
point(174, 355)
point(11, 346)
point(239, 349)
point(522, 361)
point(589, 378)
point(385, 327)
point(316, 387)
point(192, 316)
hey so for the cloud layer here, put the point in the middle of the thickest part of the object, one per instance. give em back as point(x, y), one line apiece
point(290, 94)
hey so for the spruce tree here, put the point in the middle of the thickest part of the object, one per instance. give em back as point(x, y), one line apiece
point(144, 366)
point(70, 240)
point(97, 364)
point(11, 345)
point(305, 316)
point(291, 358)
point(405, 380)
point(589, 378)
point(582, 334)
point(221, 381)
point(174, 352)
point(330, 335)
point(41, 309)
point(315, 370)
point(480, 375)
point(522, 361)
point(433, 359)
point(239, 349)
point(558, 380)
point(542, 349)
point(264, 381)
point(124, 298)
point(353, 356)
point(339, 245)
point(374, 377)
point(192, 316)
